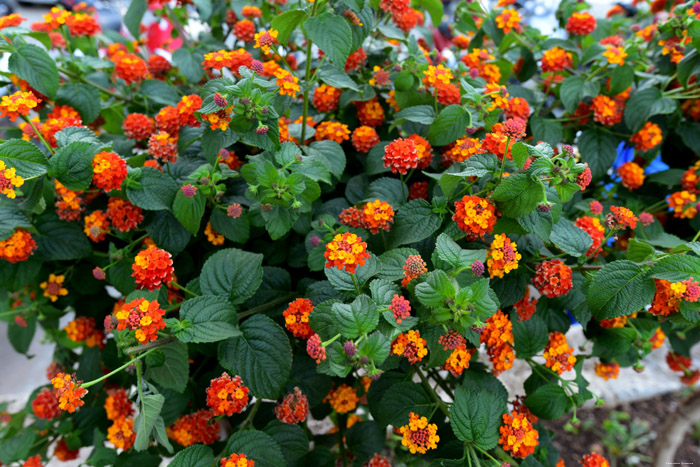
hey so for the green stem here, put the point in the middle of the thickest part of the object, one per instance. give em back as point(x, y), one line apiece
point(329, 342)
point(139, 384)
point(697, 235)
point(114, 372)
point(184, 289)
point(251, 415)
point(97, 86)
point(266, 306)
point(38, 134)
point(605, 240)
point(430, 389)
point(357, 286)
point(181, 31)
point(305, 108)
point(149, 346)
point(488, 455)
point(503, 162)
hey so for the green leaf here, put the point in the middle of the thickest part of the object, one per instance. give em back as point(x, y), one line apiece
point(619, 289)
point(144, 422)
point(401, 399)
point(570, 239)
point(476, 415)
point(436, 288)
point(538, 223)
point(32, 64)
point(621, 78)
point(290, 438)
point(599, 149)
point(423, 114)
point(59, 240)
point(214, 140)
point(12, 218)
point(449, 125)
point(189, 210)
point(530, 336)
point(383, 291)
point(387, 189)
point(174, 372)
point(73, 134)
point(83, 98)
point(414, 221)
point(676, 268)
point(157, 191)
point(262, 356)
point(20, 337)
point(24, 156)
point(189, 64)
point(232, 273)
point(638, 250)
point(574, 89)
point(286, 23)
point(331, 154)
point(453, 254)
point(376, 347)
point(204, 8)
point(392, 263)
point(342, 280)
point(331, 34)
point(433, 7)
point(196, 455)
point(72, 165)
point(133, 17)
point(257, 446)
point(548, 401)
point(519, 153)
point(17, 447)
point(645, 103)
point(517, 195)
point(365, 439)
point(359, 317)
point(335, 77)
point(168, 233)
point(210, 320)
point(236, 230)
point(546, 130)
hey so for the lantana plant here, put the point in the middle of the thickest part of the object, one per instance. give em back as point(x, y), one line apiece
point(308, 236)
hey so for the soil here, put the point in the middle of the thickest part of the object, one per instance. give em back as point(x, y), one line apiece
point(573, 446)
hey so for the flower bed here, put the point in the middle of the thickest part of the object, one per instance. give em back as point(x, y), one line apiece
point(312, 211)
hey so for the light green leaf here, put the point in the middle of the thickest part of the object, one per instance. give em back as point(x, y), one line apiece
point(189, 210)
point(210, 319)
point(359, 317)
point(331, 34)
point(25, 157)
point(619, 289)
point(146, 420)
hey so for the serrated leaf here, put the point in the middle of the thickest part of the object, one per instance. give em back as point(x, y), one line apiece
point(531, 336)
point(392, 263)
point(517, 195)
point(59, 240)
point(413, 222)
point(401, 399)
point(257, 446)
point(676, 268)
point(83, 98)
point(34, 65)
point(167, 232)
point(237, 230)
point(359, 317)
point(449, 125)
point(157, 191)
point(331, 34)
point(232, 273)
point(25, 157)
point(645, 103)
point(286, 23)
point(570, 239)
point(189, 210)
point(383, 291)
point(548, 401)
point(454, 255)
point(291, 439)
point(196, 455)
point(423, 114)
point(133, 17)
point(342, 280)
point(72, 165)
point(599, 149)
point(476, 415)
point(189, 64)
point(436, 288)
point(619, 289)
point(174, 372)
point(210, 319)
point(262, 356)
point(146, 420)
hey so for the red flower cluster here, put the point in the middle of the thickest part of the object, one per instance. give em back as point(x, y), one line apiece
point(401, 155)
point(17, 247)
point(199, 427)
point(109, 171)
point(124, 215)
point(400, 308)
point(152, 267)
point(475, 216)
point(553, 278)
point(138, 126)
point(294, 408)
point(45, 405)
point(68, 391)
point(413, 267)
point(131, 68)
point(226, 395)
point(364, 138)
point(296, 317)
point(594, 229)
point(143, 316)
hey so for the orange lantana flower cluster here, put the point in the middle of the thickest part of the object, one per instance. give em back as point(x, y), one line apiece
point(237, 460)
point(413, 267)
point(231, 59)
point(69, 203)
point(553, 278)
point(19, 103)
point(474, 215)
point(518, 436)
point(152, 267)
point(294, 408)
point(17, 247)
point(346, 251)
point(364, 138)
point(68, 391)
point(296, 317)
point(509, 20)
point(410, 345)
point(497, 335)
point(558, 355)
point(199, 427)
point(607, 370)
point(326, 98)
point(418, 435)
point(594, 229)
point(143, 316)
point(503, 256)
point(607, 111)
point(343, 399)
point(96, 225)
point(333, 131)
point(109, 171)
point(124, 215)
point(648, 137)
point(370, 113)
point(580, 23)
point(401, 155)
point(226, 395)
point(632, 175)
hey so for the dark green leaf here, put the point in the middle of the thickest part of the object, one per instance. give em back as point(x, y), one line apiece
point(196, 455)
point(167, 232)
point(210, 319)
point(517, 195)
point(676, 268)
point(189, 210)
point(72, 165)
point(232, 273)
point(414, 221)
point(257, 446)
point(619, 289)
point(174, 372)
point(331, 34)
point(189, 63)
point(25, 157)
point(531, 336)
point(599, 149)
point(157, 191)
point(236, 230)
point(32, 64)
point(83, 98)
point(133, 17)
point(449, 125)
point(570, 239)
point(286, 23)
point(359, 317)
point(145, 421)
point(60, 240)
point(546, 130)
point(476, 415)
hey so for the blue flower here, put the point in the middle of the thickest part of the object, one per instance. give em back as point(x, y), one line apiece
point(656, 166)
point(624, 154)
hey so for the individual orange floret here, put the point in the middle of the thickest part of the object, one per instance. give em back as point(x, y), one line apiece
point(346, 251)
point(418, 435)
point(333, 131)
point(199, 427)
point(474, 215)
point(377, 215)
point(296, 317)
point(17, 247)
point(595, 230)
point(503, 256)
point(553, 278)
point(370, 113)
point(124, 215)
point(648, 137)
point(364, 138)
point(622, 217)
point(45, 405)
point(152, 267)
point(518, 435)
point(138, 126)
point(109, 171)
point(9, 180)
point(343, 399)
point(63, 453)
point(607, 111)
point(401, 155)
point(213, 237)
point(226, 395)
point(143, 316)
point(186, 108)
point(158, 66)
point(96, 225)
point(607, 370)
point(121, 433)
point(526, 306)
point(683, 204)
point(244, 30)
point(294, 408)
point(632, 175)
point(594, 460)
point(410, 345)
point(326, 98)
point(558, 355)
point(288, 83)
point(237, 460)
point(68, 391)
point(80, 328)
point(580, 23)
point(118, 405)
point(615, 55)
point(168, 120)
point(162, 146)
point(83, 25)
point(19, 103)
point(131, 68)
point(413, 267)
point(556, 59)
point(666, 300)
point(509, 20)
